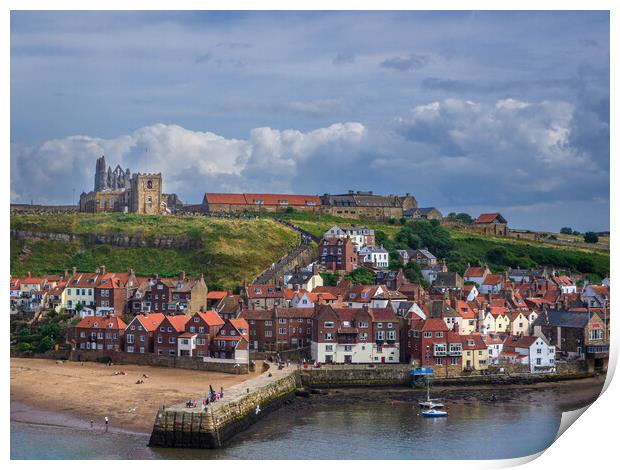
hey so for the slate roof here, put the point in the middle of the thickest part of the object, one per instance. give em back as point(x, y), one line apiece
point(562, 318)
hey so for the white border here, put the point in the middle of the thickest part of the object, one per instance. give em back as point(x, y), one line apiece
point(589, 443)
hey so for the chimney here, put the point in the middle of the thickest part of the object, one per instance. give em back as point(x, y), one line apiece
point(182, 276)
point(103, 271)
point(29, 274)
point(296, 288)
point(74, 269)
point(65, 274)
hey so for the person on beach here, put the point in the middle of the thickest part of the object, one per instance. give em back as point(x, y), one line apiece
point(221, 392)
point(91, 423)
point(106, 423)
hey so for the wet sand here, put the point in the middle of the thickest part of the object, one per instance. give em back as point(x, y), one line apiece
point(73, 393)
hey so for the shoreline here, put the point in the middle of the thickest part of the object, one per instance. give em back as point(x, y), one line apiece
point(80, 392)
point(568, 395)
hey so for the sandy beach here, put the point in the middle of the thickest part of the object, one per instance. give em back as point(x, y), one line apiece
point(91, 391)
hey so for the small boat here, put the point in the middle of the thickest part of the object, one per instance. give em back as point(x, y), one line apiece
point(434, 413)
point(429, 404)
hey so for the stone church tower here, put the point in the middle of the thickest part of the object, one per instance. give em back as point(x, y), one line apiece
point(101, 174)
point(146, 193)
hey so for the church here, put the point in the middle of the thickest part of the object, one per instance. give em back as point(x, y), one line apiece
point(119, 190)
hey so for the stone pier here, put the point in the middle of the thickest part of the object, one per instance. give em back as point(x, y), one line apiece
point(178, 426)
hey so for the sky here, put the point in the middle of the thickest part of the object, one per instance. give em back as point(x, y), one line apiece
point(468, 111)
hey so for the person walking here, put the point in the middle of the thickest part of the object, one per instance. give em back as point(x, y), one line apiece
point(107, 422)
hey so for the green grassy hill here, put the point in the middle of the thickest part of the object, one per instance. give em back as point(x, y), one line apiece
point(499, 253)
point(238, 249)
point(233, 250)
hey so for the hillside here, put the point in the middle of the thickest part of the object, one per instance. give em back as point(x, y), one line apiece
point(462, 247)
point(231, 250)
point(234, 250)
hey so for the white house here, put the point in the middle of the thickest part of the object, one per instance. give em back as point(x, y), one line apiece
point(476, 274)
point(492, 283)
point(539, 354)
point(377, 256)
point(186, 344)
point(495, 345)
point(565, 285)
point(360, 236)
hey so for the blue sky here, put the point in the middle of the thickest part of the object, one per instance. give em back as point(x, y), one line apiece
point(468, 111)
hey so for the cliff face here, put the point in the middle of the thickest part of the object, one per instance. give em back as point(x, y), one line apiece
point(119, 240)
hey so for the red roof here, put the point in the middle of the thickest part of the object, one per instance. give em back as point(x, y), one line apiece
point(151, 321)
point(217, 294)
point(432, 324)
point(178, 321)
point(225, 198)
point(211, 318)
point(489, 218)
point(284, 199)
point(474, 271)
point(383, 314)
point(263, 199)
point(492, 279)
point(108, 323)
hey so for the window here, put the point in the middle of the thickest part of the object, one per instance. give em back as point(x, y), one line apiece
point(379, 325)
point(172, 340)
point(83, 334)
point(380, 335)
point(268, 334)
point(130, 349)
point(348, 347)
point(363, 324)
point(439, 334)
point(538, 361)
point(329, 336)
point(282, 321)
point(596, 334)
point(129, 338)
point(142, 349)
point(439, 349)
point(428, 334)
point(142, 338)
point(329, 348)
point(328, 324)
point(454, 361)
point(268, 323)
point(159, 339)
point(438, 361)
point(391, 335)
point(282, 331)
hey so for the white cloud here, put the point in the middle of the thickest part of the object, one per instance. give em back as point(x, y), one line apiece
point(192, 162)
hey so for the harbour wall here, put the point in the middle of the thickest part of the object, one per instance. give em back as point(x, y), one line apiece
point(213, 428)
point(181, 427)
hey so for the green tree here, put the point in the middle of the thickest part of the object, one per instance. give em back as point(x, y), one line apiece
point(46, 344)
point(590, 237)
point(330, 279)
point(361, 276)
point(566, 230)
point(413, 273)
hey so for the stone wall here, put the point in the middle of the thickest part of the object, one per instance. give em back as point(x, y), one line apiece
point(356, 375)
point(213, 428)
point(120, 240)
point(120, 357)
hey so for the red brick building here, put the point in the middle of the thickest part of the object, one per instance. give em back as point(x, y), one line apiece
point(170, 296)
point(167, 334)
point(101, 334)
point(338, 254)
point(140, 333)
point(264, 296)
point(113, 290)
point(434, 345)
point(205, 326)
point(231, 341)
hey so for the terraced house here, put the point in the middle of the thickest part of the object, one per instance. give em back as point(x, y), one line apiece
point(102, 334)
point(170, 295)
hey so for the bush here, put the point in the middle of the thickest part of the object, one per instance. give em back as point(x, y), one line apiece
point(361, 276)
point(330, 279)
point(566, 230)
point(590, 237)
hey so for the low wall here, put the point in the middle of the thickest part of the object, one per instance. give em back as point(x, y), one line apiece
point(213, 428)
point(179, 362)
point(356, 375)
